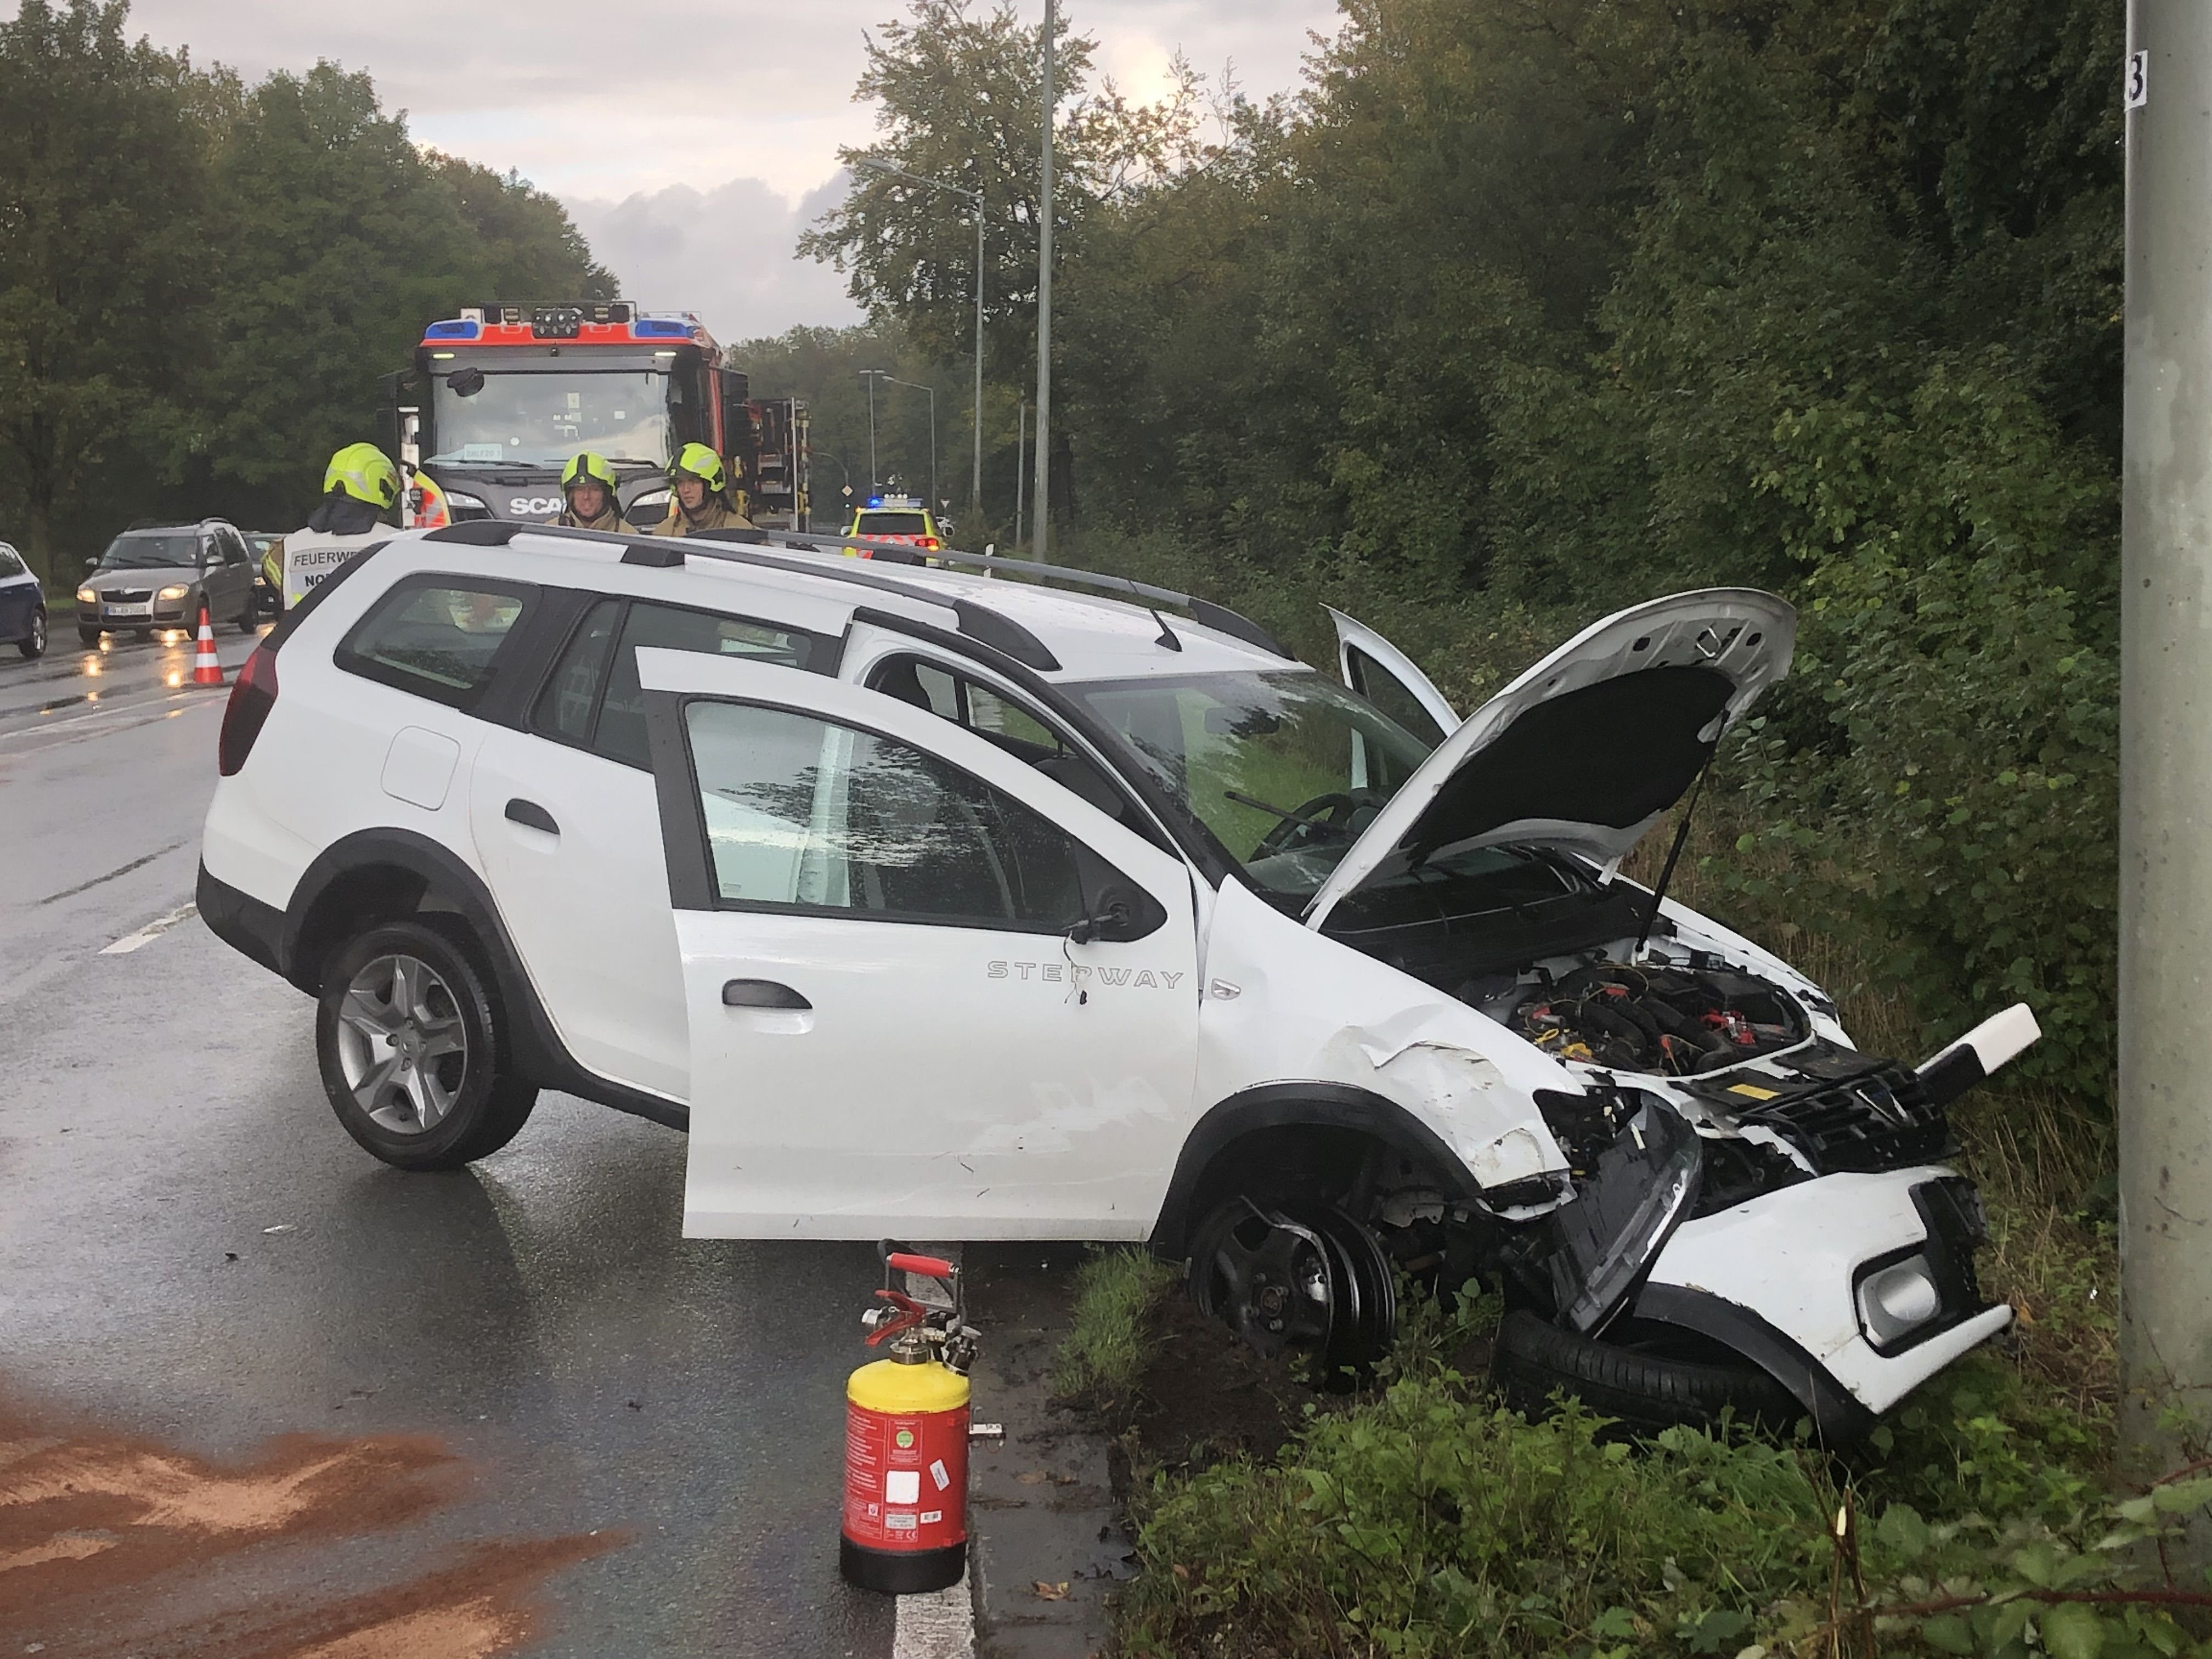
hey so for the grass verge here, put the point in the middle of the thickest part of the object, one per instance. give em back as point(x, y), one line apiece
point(1102, 1359)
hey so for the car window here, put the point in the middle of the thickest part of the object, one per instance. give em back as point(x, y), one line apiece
point(969, 703)
point(571, 696)
point(804, 813)
point(1388, 693)
point(233, 547)
point(439, 637)
point(893, 524)
point(9, 564)
point(157, 550)
point(620, 734)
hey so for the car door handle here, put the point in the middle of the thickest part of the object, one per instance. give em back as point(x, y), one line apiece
point(530, 814)
point(761, 994)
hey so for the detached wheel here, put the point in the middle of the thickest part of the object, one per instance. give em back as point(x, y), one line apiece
point(1303, 1279)
point(409, 1044)
point(1651, 1377)
point(34, 644)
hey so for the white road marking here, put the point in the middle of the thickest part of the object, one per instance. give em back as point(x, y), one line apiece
point(939, 1625)
point(152, 931)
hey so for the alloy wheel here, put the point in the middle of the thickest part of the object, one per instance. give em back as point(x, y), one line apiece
point(401, 1044)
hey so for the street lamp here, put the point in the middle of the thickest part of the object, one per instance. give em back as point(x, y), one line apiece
point(974, 199)
point(916, 385)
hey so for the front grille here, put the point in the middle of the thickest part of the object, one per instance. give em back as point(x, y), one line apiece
point(1880, 1119)
point(126, 595)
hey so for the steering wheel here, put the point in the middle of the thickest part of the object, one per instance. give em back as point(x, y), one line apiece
point(1322, 813)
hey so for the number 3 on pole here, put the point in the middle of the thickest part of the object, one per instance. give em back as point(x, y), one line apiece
point(2138, 79)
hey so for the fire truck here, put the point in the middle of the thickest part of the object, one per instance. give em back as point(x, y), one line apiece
point(499, 398)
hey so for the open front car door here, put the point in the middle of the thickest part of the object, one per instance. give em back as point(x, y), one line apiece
point(930, 992)
point(1387, 677)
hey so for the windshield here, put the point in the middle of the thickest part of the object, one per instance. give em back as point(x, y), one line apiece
point(172, 550)
point(542, 417)
point(1285, 769)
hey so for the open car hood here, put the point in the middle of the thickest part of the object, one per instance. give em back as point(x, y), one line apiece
point(1585, 751)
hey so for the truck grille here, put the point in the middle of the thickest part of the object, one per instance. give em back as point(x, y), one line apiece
point(1880, 1119)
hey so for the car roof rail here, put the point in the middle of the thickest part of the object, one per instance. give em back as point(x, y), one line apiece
point(977, 622)
point(1219, 617)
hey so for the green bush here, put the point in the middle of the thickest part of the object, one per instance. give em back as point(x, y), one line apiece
point(1103, 1356)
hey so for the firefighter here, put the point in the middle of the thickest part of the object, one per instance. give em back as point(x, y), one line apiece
point(361, 494)
point(699, 496)
point(587, 486)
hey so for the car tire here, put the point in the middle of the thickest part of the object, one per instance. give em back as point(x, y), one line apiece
point(34, 644)
point(250, 619)
point(411, 1044)
point(87, 636)
point(1652, 1378)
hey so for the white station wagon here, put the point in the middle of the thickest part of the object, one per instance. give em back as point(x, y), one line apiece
point(938, 905)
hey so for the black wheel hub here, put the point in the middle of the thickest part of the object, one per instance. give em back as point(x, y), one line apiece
point(1308, 1279)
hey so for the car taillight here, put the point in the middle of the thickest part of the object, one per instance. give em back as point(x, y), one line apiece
point(252, 697)
point(930, 541)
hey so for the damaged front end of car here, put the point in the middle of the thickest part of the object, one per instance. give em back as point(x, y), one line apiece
point(1796, 1214)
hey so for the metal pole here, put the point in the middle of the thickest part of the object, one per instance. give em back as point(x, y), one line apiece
point(933, 505)
point(2166, 772)
point(1021, 467)
point(1040, 535)
point(869, 375)
point(975, 480)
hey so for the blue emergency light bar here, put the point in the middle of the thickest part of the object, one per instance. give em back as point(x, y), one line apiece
point(454, 330)
point(660, 328)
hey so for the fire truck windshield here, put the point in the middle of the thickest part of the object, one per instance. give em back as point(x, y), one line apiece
point(541, 417)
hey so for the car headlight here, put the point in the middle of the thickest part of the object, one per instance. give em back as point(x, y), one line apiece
point(87, 596)
point(176, 590)
point(461, 498)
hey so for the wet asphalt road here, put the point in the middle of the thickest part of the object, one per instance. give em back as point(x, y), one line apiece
point(191, 1250)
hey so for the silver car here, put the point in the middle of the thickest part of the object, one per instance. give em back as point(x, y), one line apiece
point(156, 576)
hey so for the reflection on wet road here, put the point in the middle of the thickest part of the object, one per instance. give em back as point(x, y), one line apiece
point(535, 1419)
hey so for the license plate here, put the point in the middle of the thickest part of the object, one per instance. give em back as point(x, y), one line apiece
point(145, 610)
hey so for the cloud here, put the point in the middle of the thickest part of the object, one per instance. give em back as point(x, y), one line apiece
point(725, 253)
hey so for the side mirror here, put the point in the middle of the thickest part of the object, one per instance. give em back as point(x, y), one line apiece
point(91, 562)
point(1117, 914)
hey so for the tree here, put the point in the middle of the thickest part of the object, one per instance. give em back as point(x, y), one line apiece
point(104, 255)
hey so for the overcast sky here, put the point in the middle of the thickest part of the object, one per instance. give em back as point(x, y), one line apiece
point(691, 140)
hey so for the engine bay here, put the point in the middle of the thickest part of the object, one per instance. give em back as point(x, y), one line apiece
point(1662, 1019)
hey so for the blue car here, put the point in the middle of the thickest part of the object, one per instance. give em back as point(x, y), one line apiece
point(22, 606)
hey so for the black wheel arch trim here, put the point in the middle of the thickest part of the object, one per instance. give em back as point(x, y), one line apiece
point(539, 1054)
point(1294, 1105)
point(1838, 1416)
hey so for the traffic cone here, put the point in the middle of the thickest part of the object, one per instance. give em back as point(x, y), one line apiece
point(206, 671)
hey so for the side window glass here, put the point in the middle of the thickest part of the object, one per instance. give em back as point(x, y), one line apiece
point(9, 564)
point(801, 812)
point(439, 637)
point(571, 696)
point(621, 734)
point(1388, 693)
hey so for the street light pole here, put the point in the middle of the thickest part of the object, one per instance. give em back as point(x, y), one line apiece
point(975, 200)
point(2166, 774)
point(1043, 503)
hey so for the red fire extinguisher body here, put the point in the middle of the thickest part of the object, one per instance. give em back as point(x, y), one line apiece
point(906, 1477)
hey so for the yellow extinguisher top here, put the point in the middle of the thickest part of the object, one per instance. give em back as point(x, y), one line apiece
point(892, 1388)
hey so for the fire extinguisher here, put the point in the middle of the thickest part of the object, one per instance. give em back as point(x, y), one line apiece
point(906, 1439)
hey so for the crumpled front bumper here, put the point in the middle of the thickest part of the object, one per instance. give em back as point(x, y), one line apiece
point(1777, 1279)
